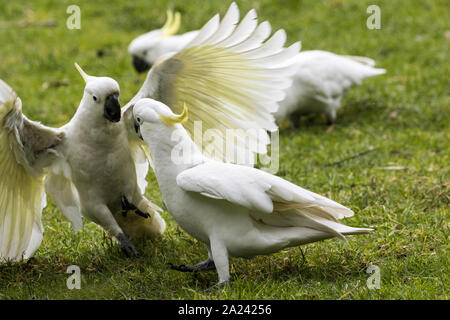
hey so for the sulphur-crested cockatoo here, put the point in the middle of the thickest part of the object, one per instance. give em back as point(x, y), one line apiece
point(95, 166)
point(235, 210)
point(89, 167)
point(149, 47)
point(320, 81)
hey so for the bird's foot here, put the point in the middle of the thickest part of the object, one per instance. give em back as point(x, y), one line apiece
point(202, 266)
point(219, 285)
point(142, 214)
point(146, 207)
point(126, 245)
point(181, 267)
point(127, 206)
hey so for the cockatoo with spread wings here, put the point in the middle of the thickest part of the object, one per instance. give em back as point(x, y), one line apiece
point(235, 210)
point(95, 166)
point(320, 79)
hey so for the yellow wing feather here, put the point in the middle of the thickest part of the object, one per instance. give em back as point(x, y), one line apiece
point(21, 197)
point(229, 79)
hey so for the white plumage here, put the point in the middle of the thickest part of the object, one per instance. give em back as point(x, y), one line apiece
point(95, 166)
point(88, 167)
point(320, 80)
point(235, 210)
point(229, 78)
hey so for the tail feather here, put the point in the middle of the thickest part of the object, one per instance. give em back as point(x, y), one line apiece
point(331, 226)
point(363, 60)
point(317, 218)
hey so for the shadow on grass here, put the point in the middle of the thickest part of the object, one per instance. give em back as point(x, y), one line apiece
point(362, 111)
point(151, 268)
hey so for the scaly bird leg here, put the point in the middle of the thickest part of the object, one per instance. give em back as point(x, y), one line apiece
point(126, 245)
point(127, 206)
point(202, 266)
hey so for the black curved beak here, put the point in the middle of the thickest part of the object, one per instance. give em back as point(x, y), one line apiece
point(140, 64)
point(137, 127)
point(112, 110)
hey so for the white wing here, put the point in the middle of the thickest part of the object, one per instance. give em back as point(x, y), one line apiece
point(26, 148)
point(270, 198)
point(229, 78)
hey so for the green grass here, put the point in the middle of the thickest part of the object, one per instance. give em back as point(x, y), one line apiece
point(403, 114)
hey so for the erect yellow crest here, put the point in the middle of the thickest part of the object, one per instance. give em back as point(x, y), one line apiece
point(172, 25)
point(84, 75)
point(180, 118)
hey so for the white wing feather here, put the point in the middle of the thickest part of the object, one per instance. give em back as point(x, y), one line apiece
point(228, 78)
point(270, 198)
point(226, 27)
point(243, 31)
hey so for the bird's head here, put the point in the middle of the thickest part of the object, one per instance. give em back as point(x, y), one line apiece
point(101, 96)
point(155, 116)
point(147, 48)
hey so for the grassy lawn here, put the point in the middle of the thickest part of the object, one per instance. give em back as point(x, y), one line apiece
point(403, 115)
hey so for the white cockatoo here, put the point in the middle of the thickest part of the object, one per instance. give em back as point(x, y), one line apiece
point(235, 210)
point(95, 166)
point(89, 167)
point(149, 47)
point(320, 81)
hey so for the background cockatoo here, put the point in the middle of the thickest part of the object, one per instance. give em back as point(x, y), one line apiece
point(149, 47)
point(95, 166)
point(320, 81)
point(235, 210)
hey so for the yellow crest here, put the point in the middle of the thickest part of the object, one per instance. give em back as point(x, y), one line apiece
point(172, 25)
point(84, 75)
point(180, 118)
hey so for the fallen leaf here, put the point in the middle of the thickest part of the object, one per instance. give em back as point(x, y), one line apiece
point(393, 115)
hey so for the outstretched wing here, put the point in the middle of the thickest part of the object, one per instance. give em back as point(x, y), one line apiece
point(270, 198)
point(230, 79)
point(26, 148)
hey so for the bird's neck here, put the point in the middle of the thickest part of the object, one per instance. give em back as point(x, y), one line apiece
point(172, 149)
point(91, 126)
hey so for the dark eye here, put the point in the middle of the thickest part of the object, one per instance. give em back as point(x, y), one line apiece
point(139, 120)
point(94, 97)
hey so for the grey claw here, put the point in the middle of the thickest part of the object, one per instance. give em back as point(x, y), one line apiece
point(127, 246)
point(142, 214)
point(219, 285)
point(181, 267)
point(202, 266)
point(127, 206)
